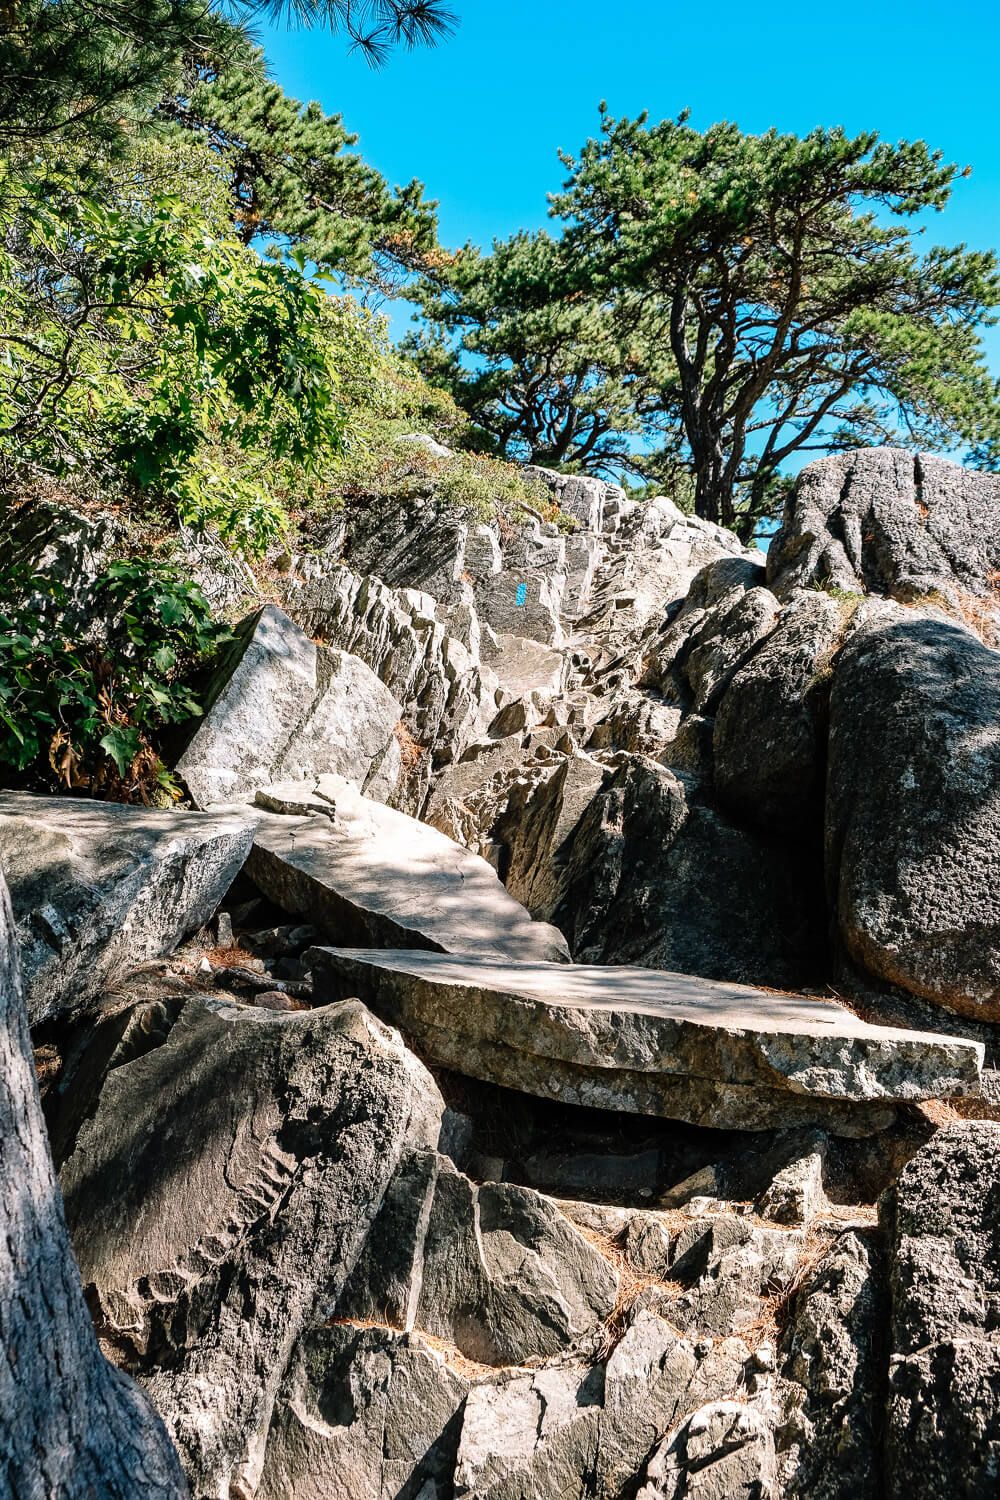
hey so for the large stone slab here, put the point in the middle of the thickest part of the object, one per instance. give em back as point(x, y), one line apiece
point(365, 873)
point(282, 706)
point(653, 1042)
point(97, 887)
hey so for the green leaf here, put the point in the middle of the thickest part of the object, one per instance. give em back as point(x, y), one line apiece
point(122, 745)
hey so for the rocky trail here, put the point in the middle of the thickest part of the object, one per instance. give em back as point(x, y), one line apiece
point(555, 1057)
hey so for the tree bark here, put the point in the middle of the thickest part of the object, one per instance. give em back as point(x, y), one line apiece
point(72, 1427)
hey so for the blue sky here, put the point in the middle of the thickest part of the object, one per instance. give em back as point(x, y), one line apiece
point(479, 119)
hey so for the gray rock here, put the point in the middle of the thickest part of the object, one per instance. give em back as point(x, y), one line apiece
point(281, 706)
point(647, 1245)
point(769, 738)
point(795, 1194)
point(524, 601)
point(723, 1451)
point(577, 1173)
point(886, 521)
point(416, 544)
point(727, 638)
point(65, 545)
point(530, 1436)
point(367, 873)
point(448, 698)
point(651, 1043)
point(732, 1265)
point(912, 824)
point(523, 667)
point(644, 560)
point(533, 825)
point(653, 875)
point(827, 1425)
point(496, 1269)
point(651, 1378)
point(97, 888)
point(455, 801)
point(363, 1414)
point(73, 1426)
point(637, 722)
point(943, 1226)
point(784, 1171)
point(725, 613)
point(224, 577)
point(218, 1197)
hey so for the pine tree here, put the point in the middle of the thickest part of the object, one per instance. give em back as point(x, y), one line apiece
point(795, 307)
point(295, 182)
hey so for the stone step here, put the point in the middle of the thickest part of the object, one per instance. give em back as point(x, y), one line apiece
point(366, 873)
point(652, 1042)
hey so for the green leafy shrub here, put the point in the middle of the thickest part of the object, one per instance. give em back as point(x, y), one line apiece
point(378, 467)
point(147, 352)
point(82, 707)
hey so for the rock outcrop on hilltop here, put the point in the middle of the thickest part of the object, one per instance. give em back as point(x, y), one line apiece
point(560, 1058)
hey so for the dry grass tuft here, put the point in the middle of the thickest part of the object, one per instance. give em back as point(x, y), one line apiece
point(233, 956)
point(631, 1283)
point(777, 1307)
point(411, 752)
point(453, 1357)
point(951, 1111)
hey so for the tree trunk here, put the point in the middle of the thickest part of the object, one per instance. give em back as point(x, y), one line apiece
point(72, 1427)
point(706, 496)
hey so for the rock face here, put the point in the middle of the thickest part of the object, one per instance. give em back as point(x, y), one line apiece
point(912, 825)
point(409, 641)
point(831, 1393)
point(886, 521)
point(496, 1269)
point(650, 1043)
point(97, 887)
point(769, 737)
point(331, 1282)
point(366, 873)
point(63, 544)
point(363, 1412)
point(652, 875)
point(943, 1225)
point(280, 706)
point(629, 859)
point(73, 1426)
point(285, 1130)
point(723, 1451)
point(531, 1435)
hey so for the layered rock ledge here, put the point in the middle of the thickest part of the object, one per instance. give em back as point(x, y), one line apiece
point(653, 1042)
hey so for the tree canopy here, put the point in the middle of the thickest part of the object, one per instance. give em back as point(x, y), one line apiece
point(294, 182)
point(544, 373)
point(87, 66)
point(738, 299)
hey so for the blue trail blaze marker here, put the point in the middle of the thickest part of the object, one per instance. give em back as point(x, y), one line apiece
point(521, 597)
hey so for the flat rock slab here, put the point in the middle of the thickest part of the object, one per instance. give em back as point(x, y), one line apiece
point(653, 1042)
point(365, 873)
point(97, 888)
